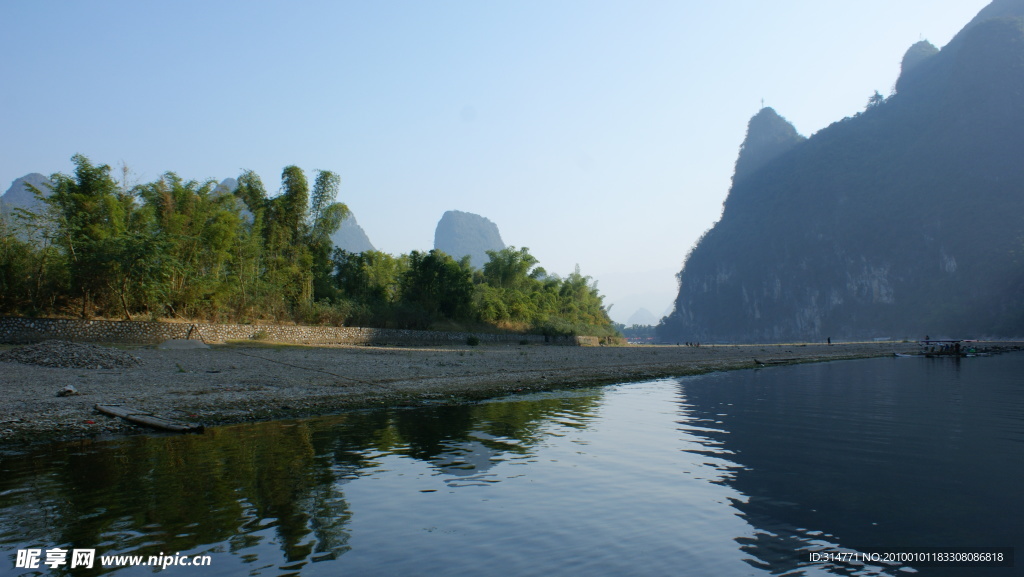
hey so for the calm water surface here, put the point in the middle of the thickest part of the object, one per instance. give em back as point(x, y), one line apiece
point(738, 473)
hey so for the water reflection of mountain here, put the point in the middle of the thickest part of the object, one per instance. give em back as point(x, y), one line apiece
point(873, 453)
point(269, 494)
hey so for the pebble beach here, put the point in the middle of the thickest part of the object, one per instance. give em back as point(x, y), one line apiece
point(49, 392)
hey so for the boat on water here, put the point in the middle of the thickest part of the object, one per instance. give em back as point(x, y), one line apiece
point(940, 348)
point(946, 347)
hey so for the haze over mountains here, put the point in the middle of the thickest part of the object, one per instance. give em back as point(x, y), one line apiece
point(350, 236)
point(903, 221)
point(458, 233)
point(466, 234)
point(19, 195)
point(921, 68)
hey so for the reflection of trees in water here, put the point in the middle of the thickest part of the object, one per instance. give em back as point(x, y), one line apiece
point(154, 495)
point(251, 487)
point(465, 440)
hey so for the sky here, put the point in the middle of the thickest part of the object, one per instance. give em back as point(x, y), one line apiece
point(600, 134)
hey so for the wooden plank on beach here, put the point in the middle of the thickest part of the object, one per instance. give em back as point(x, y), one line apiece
point(149, 419)
point(775, 362)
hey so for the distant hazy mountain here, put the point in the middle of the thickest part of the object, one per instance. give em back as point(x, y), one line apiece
point(18, 195)
point(227, 185)
point(351, 237)
point(642, 317)
point(903, 221)
point(462, 233)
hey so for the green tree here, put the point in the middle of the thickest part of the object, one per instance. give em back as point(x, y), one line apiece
point(437, 286)
point(251, 286)
point(296, 229)
point(89, 214)
point(325, 217)
point(875, 100)
point(252, 192)
point(136, 266)
point(369, 286)
point(198, 230)
point(289, 263)
point(507, 295)
point(16, 268)
point(509, 268)
point(370, 277)
point(33, 271)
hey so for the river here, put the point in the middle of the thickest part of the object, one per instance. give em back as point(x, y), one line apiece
point(739, 473)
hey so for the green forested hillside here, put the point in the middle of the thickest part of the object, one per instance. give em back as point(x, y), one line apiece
point(187, 249)
point(903, 221)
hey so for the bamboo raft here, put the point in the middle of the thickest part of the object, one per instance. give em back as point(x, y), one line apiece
point(148, 419)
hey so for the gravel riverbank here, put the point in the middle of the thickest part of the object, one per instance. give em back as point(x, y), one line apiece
point(235, 383)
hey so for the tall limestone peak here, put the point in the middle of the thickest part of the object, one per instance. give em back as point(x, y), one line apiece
point(768, 137)
point(466, 234)
point(983, 57)
point(915, 56)
point(871, 227)
point(351, 237)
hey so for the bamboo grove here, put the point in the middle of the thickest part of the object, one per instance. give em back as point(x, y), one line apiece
point(185, 249)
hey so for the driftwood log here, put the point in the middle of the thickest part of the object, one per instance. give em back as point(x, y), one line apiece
point(149, 419)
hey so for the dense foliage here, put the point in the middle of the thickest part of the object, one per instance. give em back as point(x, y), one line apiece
point(419, 289)
point(187, 249)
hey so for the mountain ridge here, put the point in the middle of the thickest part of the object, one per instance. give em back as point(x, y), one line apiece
point(871, 226)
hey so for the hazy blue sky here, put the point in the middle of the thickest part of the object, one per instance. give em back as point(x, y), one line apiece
point(595, 133)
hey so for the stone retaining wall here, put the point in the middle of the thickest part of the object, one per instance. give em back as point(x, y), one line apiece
point(30, 330)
